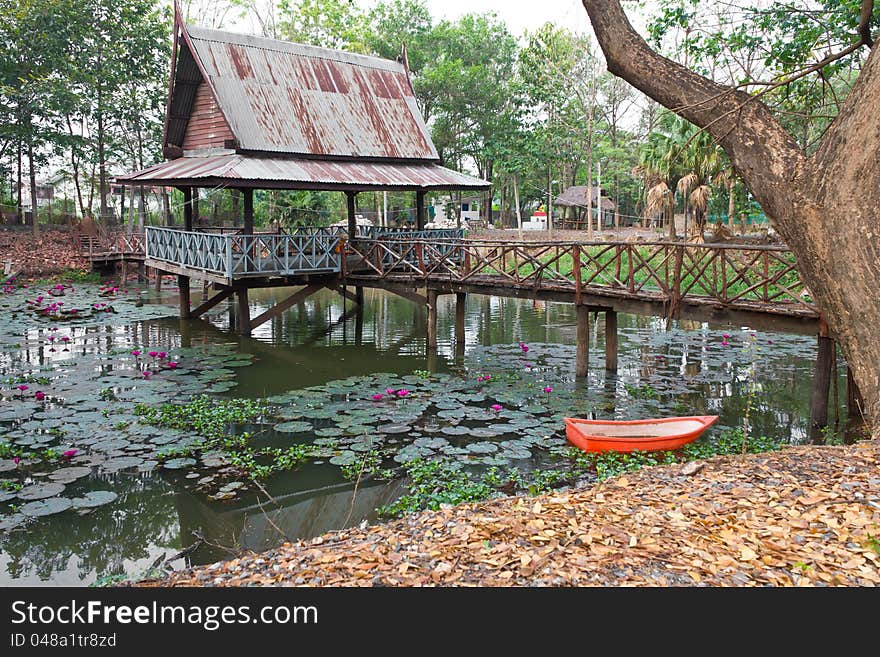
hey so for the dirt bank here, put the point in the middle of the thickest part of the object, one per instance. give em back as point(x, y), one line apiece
point(799, 517)
point(54, 252)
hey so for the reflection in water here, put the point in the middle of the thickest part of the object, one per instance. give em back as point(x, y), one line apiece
point(325, 338)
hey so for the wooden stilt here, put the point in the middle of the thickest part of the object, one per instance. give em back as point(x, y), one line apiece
point(124, 273)
point(142, 272)
point(210, 303)
point(855, 405)
point(582, 360)
point(281, 306)
point(610, 340)
point(821, 385)
point(158, 281)
point(244, 312)
point(183, 288)
point(432, 319)
point(359, 295)
point(460, 300)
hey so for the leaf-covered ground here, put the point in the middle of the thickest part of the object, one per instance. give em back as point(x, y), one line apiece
point(803, 516)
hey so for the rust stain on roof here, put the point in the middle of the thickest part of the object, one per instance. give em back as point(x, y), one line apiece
point(281, 97)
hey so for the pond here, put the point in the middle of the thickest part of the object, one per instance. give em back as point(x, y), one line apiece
point(113, 462)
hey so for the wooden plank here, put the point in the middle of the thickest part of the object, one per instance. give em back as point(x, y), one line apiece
point(213, 301)
point(281, 306)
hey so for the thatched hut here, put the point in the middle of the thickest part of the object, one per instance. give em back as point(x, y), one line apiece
point(575, 197)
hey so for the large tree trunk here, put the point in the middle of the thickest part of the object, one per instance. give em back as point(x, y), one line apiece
point(825, 206)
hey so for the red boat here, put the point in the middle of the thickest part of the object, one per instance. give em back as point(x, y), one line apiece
point(631, 435)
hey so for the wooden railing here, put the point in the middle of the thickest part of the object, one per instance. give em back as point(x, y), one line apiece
point(762, 277)
point(236, 255)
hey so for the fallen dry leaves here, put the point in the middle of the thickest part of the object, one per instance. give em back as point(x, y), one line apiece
point(54, 252)
point(804, 516)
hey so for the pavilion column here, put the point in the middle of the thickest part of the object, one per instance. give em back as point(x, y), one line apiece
point(196, 218)
point(248, 196)
point(187, 207)
point(351, 197)
point(183, 281)
point(420, 210)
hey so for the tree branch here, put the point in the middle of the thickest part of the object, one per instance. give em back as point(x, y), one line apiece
point(865, 22)
point(762, 151)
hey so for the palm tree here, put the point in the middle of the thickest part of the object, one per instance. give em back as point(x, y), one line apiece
point(681, 157)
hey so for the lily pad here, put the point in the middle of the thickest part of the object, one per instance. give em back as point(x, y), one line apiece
point(394, 428)
point(179, 463)
point(71, 474)
point(40, 491)
point(345, 458)
point(293, 427)
point(121, 463)
point(93, 499)
point(11, 522)
point(482, 448)
point(46, 507)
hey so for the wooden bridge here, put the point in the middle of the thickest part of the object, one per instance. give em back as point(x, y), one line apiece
point(698, 281)
point(758, 286)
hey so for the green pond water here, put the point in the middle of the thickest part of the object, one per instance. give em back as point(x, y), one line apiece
point(114, 495)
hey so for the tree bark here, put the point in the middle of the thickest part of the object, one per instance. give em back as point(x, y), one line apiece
point(824, 206)
point(33, 184)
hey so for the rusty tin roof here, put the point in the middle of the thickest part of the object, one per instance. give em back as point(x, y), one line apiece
point(239, 170)
point(282, 97)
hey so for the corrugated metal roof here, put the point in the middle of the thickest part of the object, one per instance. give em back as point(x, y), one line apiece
point(576, 196)
point(237, 170)
point(284, 97)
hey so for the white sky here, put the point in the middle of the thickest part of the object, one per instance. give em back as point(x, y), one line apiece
point(518, 14)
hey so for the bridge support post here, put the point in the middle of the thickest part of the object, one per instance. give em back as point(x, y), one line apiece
point(244, 312)
point(359, 295)
point(821, 384)
point(142, 272)
point(610, 340)
point(460, 300)
point(158, 281)
point(183, 288)
point(855, 404)
point(351, 199)
point(582, 359)
point(432, 319)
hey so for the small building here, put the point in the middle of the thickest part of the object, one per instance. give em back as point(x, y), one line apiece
point(443, 210)
point(575, 198)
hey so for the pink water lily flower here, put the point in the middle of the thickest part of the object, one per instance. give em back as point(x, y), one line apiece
point(39, 395)
point(724, 343)
point(152, 354)
point(389, 391)
point(172, 365)
point(161, 355)
point(16, 460)
point(22, 387)
point(497, 407)
point(147, 374)
point(378, 396)
point(136, 353)
point(548, 390)
point(403, 392)
point(70, 453)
